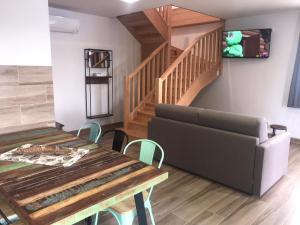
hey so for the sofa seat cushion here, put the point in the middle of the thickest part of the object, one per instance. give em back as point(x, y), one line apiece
point(247, 125)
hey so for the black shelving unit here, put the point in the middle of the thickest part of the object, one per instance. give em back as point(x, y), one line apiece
point(98, 83)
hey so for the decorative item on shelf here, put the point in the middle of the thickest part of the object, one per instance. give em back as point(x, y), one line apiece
point(98, 83)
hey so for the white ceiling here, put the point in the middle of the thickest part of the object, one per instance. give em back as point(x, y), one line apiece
point(220, 8)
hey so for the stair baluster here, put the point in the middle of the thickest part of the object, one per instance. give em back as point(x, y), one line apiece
point(193, 70)
point(140, 85)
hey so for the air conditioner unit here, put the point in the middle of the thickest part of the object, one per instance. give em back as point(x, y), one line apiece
point(64, 25)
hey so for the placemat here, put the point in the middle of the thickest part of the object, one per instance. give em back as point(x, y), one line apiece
point(44, 155)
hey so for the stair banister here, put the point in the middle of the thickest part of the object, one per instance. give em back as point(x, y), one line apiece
point(202, 55)
point(140, 84)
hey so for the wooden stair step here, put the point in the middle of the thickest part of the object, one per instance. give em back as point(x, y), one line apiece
point(136, 133)
point(138, 123)
point(146, 112)
point(148, 108)
point(149, 115)
point(142, 118)
point(136, 126)
point(151, 104)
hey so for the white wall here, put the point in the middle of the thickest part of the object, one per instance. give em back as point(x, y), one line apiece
point(68, 64)
point(24, 33)
point(183, 36)
point(260, 87)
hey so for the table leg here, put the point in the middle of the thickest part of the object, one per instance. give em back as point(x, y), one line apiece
point(92, 220)
point(140, 208)
point(88, 221)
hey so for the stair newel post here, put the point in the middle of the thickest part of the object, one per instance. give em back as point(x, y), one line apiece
point(220, 51)
point(158, 91)
point(168, 20)
point(126, 102)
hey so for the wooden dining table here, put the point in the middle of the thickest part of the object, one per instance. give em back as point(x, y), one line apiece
point(42, 195)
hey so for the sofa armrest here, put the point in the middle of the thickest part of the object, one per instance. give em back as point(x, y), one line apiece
point(271, 162)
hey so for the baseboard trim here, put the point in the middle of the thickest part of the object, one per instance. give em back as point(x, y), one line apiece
point(110, 126)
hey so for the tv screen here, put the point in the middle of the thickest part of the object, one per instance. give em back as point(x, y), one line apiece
point(247, 43)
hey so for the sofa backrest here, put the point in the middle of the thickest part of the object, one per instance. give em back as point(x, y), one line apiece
point(175, 112)
point(247, 125)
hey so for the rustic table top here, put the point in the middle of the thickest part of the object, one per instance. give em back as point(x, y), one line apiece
point(65, 195)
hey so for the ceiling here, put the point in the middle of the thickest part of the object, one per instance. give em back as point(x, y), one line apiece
point(220, 8)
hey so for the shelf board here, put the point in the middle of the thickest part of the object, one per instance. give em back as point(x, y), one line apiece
point(100, 116)
point(97, 80)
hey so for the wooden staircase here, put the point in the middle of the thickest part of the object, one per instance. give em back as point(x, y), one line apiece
point(167, 74)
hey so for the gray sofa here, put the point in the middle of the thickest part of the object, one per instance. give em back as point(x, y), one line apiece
point(232, 149)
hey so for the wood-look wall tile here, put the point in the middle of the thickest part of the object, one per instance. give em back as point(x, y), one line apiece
point(26, 97)
point(8, 102)
point(50, 95)
point(8, 75)
point(10, 116)
point(37, 113)
point(22, 95)
point(22, 91)
point(35, 75)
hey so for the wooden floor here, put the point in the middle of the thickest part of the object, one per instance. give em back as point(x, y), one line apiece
point(185, 199)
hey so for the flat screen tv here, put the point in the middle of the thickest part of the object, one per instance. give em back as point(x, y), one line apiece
point(247, 43)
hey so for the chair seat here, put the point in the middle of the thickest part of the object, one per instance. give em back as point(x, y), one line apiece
point(127, 205)
point(9, 213)
point(18, 223)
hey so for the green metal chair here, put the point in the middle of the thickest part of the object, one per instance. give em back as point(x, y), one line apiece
point(147, 151)
point(120, 139)
point(5, 220)
point(95, 131)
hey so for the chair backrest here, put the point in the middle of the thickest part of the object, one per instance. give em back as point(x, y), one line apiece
point(118, 140)
point(95, 131)
point(4, 219)
point(147, 152)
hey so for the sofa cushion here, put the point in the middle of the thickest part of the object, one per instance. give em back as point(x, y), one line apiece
point(179, 113)
point(252, 126)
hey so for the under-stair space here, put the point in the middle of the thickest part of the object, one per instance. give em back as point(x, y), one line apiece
point(167, 74)
point(148, 27)
point(175, 52)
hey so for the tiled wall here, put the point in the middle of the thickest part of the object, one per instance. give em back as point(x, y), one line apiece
point(26, 98)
